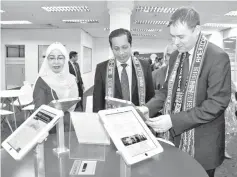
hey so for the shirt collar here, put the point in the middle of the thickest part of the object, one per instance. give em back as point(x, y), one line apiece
point(191, 51)
point(128, 62)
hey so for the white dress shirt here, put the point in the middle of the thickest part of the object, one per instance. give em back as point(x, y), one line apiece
point(129, 73)
point(190, 57)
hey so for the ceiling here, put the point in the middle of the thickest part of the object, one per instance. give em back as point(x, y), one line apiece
point(210, 12)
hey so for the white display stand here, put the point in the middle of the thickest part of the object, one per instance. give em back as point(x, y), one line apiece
point(39, 162)
point(61, 149)
point(125, 170)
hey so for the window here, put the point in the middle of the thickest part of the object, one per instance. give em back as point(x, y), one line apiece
point(15, 51)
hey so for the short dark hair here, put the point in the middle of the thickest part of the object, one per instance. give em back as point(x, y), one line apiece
point(135, 53)
point(186, 15)
point(120, 32)
point(72, 54)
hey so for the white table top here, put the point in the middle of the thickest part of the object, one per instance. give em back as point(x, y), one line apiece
point(10, 93)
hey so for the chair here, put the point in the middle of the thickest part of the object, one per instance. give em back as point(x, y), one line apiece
point(4, 114)
point(25, 100)
point(89, 104)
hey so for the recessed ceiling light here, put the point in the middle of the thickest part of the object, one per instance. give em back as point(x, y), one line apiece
point(81, 21)
point(148, 22)
point(145, 35)
point(220, 25)
point(66, 9)
point(106, 29)
point(232, 13)
point(155, 9)
point(1, 11)
point(21, 22)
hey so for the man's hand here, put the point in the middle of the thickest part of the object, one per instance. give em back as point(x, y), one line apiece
point(160, 124)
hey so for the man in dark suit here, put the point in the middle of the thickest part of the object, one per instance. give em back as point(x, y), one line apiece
point(118, 77)
point(195, 94)
point(75, 70)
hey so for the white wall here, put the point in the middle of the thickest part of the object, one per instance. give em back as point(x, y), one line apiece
point(31, 38)
point(217, 38)
point(74, 39)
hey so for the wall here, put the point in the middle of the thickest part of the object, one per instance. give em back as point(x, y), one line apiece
point(74, 39)
point(31, 39)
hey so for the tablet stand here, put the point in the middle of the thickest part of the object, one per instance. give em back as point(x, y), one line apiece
point(39, 157)
point(125, 170)
point(61, 149)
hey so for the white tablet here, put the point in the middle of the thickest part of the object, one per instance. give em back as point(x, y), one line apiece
point(130, 134)
point(117, 103)
point(64, 104)
point(30, 132)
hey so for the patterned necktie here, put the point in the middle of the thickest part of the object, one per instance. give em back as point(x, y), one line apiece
point(185, 71)
point(125, 83)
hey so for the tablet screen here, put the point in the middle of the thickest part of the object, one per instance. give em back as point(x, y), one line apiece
point(30, 130)
point(130, 131)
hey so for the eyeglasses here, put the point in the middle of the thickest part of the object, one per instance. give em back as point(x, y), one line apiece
point(53, 58)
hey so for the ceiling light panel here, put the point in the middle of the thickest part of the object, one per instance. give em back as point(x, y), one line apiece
point(1, 11)
point(81, 21)
point(231, 13)
point(146, 30)
point(20, 22)
point(144, 35)
point(148, 22)
point(149, 9)
point(220, 25)
point(66, 9)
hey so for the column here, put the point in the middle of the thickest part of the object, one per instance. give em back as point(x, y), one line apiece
point(120, 15)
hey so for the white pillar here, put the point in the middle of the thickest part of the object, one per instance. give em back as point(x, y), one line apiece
point(120, 15)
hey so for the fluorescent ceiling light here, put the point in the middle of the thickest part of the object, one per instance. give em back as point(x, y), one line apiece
point(21, 22)
point(155, 9)
point(231, 13)
point(66, 9)
point(80, 21)
point(228, 41)
point(1, 11)
point(106, 29)
point(220, 25)
point(148, 22)
point(145, 35)
point(231, 38)
point(146, 30)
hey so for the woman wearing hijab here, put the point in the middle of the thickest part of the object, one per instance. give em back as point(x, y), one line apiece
point(54, 80)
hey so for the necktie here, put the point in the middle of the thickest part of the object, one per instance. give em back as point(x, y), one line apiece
point(185, 71)
point(125, 83)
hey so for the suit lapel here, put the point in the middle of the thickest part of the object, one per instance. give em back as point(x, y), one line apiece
point(117, 84)
point(134, 79)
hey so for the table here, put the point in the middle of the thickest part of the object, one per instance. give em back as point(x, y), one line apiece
point(171, 163)
point(11, 94)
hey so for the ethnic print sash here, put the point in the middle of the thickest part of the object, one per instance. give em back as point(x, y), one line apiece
point(110, 81)
point(188, 97)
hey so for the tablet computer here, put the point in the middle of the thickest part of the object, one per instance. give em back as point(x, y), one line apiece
point(117, 103)
point(130, 134)
point(64, 104)
point(30, 132)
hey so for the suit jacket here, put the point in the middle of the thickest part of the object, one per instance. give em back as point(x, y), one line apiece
point(80, 83)
point(158, 77)
point(100, 79)
point(213, 96)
